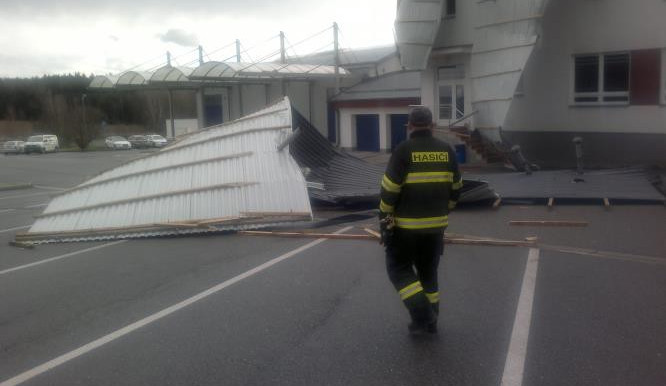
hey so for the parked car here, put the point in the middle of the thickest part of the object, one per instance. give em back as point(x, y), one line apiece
point(13, 147)
point(42, 144)
point(155, 140)
point(117, 142)
point(138, 141)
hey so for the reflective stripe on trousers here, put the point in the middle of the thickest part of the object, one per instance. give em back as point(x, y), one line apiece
point(410, 290)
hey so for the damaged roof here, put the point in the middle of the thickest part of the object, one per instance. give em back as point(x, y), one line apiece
point(233, 176)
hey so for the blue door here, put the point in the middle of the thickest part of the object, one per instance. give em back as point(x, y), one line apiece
point(367, 132)
point(213, 110)
point(398, 129)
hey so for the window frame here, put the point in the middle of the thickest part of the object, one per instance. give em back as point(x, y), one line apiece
point(663, 77)
point(448, 15)
point(600, 94)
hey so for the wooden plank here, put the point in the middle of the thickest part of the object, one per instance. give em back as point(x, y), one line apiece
point(175, 225)
point(549, 223)
point(373, 232)
point(447, 240)
point(493, 243)
point(497, 202)
point(309, 235)
point(273, 214)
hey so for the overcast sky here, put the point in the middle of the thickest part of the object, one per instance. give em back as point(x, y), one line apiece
point(101, 36)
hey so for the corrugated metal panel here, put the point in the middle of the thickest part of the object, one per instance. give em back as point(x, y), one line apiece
point(133, 78)
point(416, 26)
point(504, 39)
point(233, 173)
point(231, 70)
point(104, 81)
point(171, 74)
point(631, 184)
point(338, 177)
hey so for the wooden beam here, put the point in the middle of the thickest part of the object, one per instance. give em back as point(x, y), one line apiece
point(549, 223)
point(373, 232)
point(447, 240)
point(489, 242)
point(309, 235)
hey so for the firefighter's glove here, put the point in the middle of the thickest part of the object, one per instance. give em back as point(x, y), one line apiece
point(386, 226)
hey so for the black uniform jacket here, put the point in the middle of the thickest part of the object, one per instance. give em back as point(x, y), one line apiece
point(422, 184)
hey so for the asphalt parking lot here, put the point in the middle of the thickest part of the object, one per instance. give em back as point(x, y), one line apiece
point(585, 306)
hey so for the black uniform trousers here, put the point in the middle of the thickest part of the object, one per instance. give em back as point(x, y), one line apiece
point(412, 259)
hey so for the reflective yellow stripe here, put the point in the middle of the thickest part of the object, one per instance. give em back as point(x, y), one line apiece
point(384, 207)
point(390, 185)
point(419, 178)
point(410, 290)
point(422, 223)
point(452, 204)
point(458, 184)
point(433, 297)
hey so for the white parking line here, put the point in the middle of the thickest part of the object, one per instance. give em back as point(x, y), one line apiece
point(14, 229)
point(514, 367)
point(60, 257)
point(156, 316)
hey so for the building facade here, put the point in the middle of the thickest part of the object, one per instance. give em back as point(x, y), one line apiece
point(539, 73)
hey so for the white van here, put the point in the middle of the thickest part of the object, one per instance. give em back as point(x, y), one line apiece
point(41, 144)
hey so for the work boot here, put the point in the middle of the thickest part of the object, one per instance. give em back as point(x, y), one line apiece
point(424, 319)
point(416, 328)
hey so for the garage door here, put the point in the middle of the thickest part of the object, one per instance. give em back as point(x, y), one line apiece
point(367, 132)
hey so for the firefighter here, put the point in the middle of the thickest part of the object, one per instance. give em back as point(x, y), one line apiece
point(420, 187)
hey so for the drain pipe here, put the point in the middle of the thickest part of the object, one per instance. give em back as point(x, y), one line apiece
point(578, 142)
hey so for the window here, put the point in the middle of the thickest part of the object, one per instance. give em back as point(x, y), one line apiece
point(451, 92)
point(601, 79)
point(450, 8)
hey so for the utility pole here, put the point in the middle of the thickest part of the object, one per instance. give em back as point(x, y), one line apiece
point(238, 51)
point(168, 58)
point(337, 58)
point(283, 54)
point(201, 60)
point(283, 60)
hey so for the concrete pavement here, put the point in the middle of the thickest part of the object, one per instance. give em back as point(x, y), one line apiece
point(328, 315)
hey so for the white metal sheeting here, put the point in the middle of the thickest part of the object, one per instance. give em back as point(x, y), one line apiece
point(216, 71)
point(504, 39)
point(231, 70)
point(228, 175)
point(416, 26)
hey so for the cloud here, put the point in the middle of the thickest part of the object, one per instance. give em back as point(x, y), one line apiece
point(114, 38)
point(180, 37)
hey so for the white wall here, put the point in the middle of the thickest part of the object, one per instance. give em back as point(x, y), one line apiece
point(348, 125)
point(429, 82)
point(575, 27)
point(183, 126)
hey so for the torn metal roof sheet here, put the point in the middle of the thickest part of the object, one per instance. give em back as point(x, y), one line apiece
point(231, 176)
point(335, 176)
point(631, 184)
